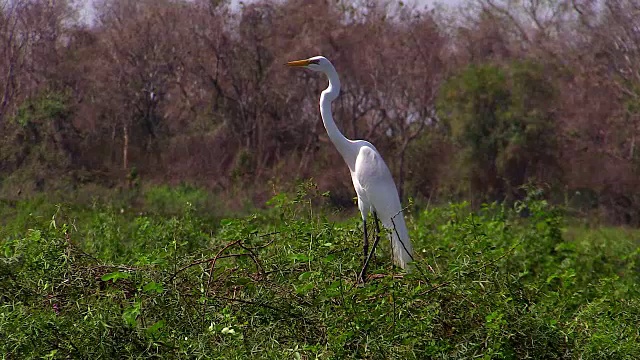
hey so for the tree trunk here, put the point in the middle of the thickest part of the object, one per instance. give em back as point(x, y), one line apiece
point(401, 171)
point(125, 148)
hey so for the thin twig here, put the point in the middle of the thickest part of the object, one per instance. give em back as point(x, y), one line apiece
point(253, 257)
point(67, 236)
point(213, 264)
point(375, 244)
point(474, 271)
point(249, 302)
point(119, 267)
point(268, 243)
point(206, 260)
point(405, 248)
point(250, 254)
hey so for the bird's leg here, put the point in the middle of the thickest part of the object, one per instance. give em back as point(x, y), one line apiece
point(363, 272)
point(366, 252)
point(377, 238)
point(366, 241)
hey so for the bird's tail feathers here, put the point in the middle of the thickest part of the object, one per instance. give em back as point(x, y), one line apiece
point(400, 243)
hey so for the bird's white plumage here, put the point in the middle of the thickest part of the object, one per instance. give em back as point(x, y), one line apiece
point(376, 189)
point(371, 177)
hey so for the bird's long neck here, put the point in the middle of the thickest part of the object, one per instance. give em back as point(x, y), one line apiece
point(344, 145)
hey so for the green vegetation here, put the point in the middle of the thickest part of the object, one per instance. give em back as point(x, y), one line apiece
point(500, 282)
point(502, 121)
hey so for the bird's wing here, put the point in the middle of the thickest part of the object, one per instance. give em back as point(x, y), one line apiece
point(376, 181)
point(378, 186)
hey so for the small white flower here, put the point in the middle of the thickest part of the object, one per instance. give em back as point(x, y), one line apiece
point(227, 330)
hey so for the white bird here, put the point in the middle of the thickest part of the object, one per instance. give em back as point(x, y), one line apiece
point(372, 180)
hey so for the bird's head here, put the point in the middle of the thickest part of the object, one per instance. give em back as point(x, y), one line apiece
point(316, 63)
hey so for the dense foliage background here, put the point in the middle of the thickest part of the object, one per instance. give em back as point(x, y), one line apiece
point(466, 103)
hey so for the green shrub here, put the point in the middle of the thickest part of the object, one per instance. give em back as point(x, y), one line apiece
point(500, 282)
point(502, 121)
point(173, 200)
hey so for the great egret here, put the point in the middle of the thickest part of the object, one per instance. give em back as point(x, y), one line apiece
point(372, 180)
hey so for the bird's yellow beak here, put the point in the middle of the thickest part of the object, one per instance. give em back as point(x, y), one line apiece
point(299, 63)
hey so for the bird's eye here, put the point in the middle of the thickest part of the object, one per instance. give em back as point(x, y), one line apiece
point(314, 61)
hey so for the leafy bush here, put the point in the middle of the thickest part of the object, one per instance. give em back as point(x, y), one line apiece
point(501, 282)
point(39, 144)
point(173, 200)
point(501, 118)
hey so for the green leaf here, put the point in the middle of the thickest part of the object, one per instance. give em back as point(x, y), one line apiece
point(240, 281)
point(131, 313)
point(115, 276)
point(305, 276)
point(333, 288)
point(299, 257)
point(153, 286)
point(153, 329)
point(304, 288)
